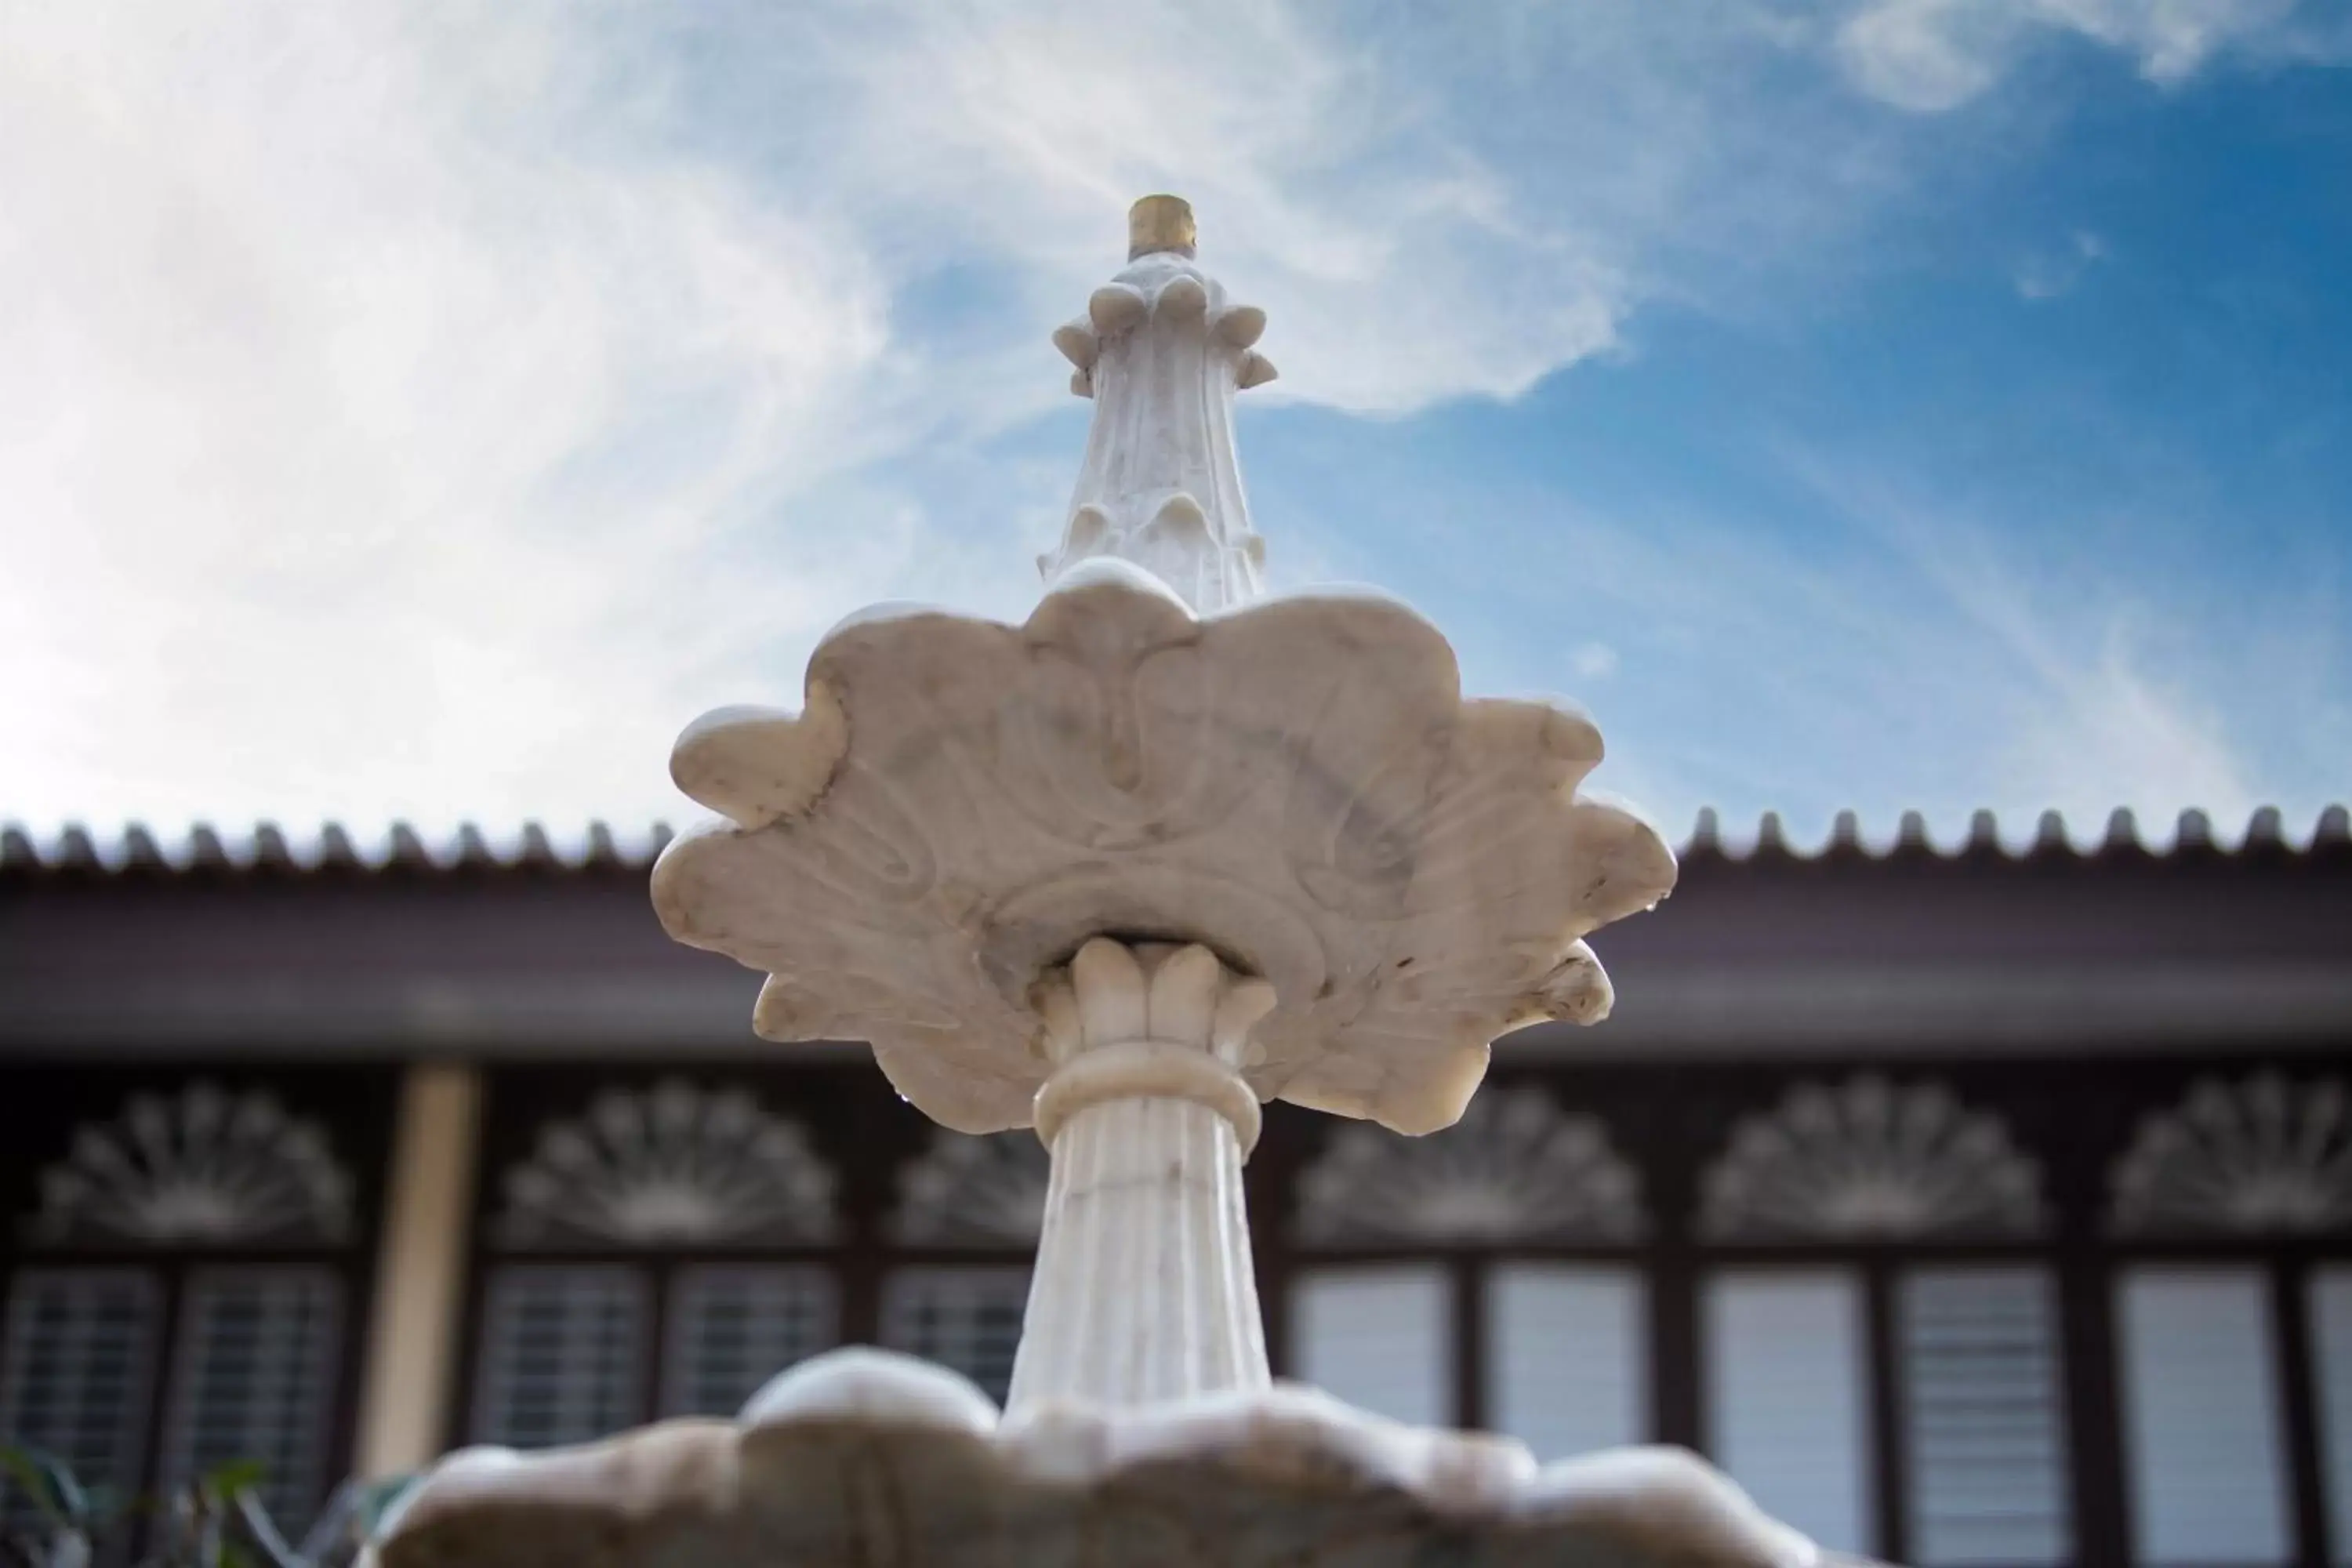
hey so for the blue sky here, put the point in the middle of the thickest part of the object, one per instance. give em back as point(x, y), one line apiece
point(422, 411)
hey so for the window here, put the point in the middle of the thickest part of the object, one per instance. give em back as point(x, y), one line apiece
point(219, 1213)
point(1786, 1412)
point(662, 1252)
point(1568, 1356)
point(563, 1356)
point(966, 1222)
point(254, 1378)
point(2200, 1406)
point(74, 1370)
point(968, 1320)
point(2330, 1314)
point(2218, 1440)
point(1883, 1177)
point(1382, 1338)
point(1522, 1215)
point(731, 1328)
point(1983, 1439)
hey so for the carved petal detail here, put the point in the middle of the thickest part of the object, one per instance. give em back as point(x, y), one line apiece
point(1296, 785)
point(826, 1464)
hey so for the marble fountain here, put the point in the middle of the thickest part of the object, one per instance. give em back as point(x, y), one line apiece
point(1167, 850)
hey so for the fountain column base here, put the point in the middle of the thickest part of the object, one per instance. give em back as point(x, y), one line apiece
point(1144, 1289)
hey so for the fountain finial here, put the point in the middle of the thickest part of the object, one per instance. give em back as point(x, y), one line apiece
point(1160, 223)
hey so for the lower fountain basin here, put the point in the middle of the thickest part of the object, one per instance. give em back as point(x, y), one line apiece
point(878, 1460)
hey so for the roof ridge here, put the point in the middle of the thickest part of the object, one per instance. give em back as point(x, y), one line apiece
point(532, 846)
point(332, 848)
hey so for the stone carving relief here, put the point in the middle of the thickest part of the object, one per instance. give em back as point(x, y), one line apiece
point(1866, 1160)
point(673, 1165)
point(968, 1191)
point(201, 1167)
point(862, 1457)
point(1298, 783)
point(1162, 351)
point(2265, 1155)
point(1516, 1168)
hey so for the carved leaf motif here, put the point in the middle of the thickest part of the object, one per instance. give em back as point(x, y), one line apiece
point(968, 1191)
point(1866, 1159)
point(672, 1165)
point(1296, 785)
point(2263, 1155)
point(1514, 1169)
point(199, 1167)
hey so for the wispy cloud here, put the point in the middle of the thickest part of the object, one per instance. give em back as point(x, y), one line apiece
point(1934, 55)
point(422, 411)
point(2047, 273)
point(2064, 687)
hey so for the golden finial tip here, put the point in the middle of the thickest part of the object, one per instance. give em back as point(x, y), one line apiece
point(1160, 223)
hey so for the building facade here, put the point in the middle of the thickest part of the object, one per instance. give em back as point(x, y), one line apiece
point(1969, 1205)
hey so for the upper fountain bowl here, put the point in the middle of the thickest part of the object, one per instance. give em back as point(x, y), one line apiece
point(1297, 785)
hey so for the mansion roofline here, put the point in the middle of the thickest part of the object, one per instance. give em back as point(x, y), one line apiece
point(1852, 949)
point(203, 849)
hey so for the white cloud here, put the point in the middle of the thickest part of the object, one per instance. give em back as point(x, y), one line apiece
point(1935, 55)
point(312, 353)
point(1593, 660)
point(2052, 684)
point(2049, 273)
point(2105, 731)
point(422, 411)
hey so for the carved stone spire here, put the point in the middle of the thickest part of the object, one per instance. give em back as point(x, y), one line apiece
point(1162, 351)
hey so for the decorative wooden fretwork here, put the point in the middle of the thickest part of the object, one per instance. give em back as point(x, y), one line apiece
point(1515, 1169)
point(199, 1168)
point(2263, 1155)
point(966, 1191)
point(674, 1165)
point(1866, 1160)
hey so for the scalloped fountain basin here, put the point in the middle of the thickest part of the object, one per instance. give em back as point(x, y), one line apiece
point(1296, 782)
point(870, 1458)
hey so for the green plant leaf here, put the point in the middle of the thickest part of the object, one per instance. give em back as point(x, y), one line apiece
point(48, 1482)
point(237, 1475)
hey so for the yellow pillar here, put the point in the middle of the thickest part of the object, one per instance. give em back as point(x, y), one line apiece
point(420, 1270)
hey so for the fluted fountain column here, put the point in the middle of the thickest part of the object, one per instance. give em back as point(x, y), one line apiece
point(1144, 1289)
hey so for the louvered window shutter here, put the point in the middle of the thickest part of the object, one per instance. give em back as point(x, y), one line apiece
point(1984, 1438)
point(562, 1354)
point(253, 1380)
point(79, 1352)
point(730, 1329)
point(1380, 1338)
point(2331, 1350)
point(2200, 1405)
point(1786, 1397)
point(1567, 1357)
point(967, 1319)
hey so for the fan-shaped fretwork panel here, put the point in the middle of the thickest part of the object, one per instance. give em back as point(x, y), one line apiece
point(968, 1191)
point(673, 1165)
point(203, 1167)
point(1867, 1160)
point(1516, 1168)
point(2265, 1155)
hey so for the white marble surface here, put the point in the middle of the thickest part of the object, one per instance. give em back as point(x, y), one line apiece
point(1143, 1290)
point(861, 1458)
point(1300, 784)
point(1161, 351)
